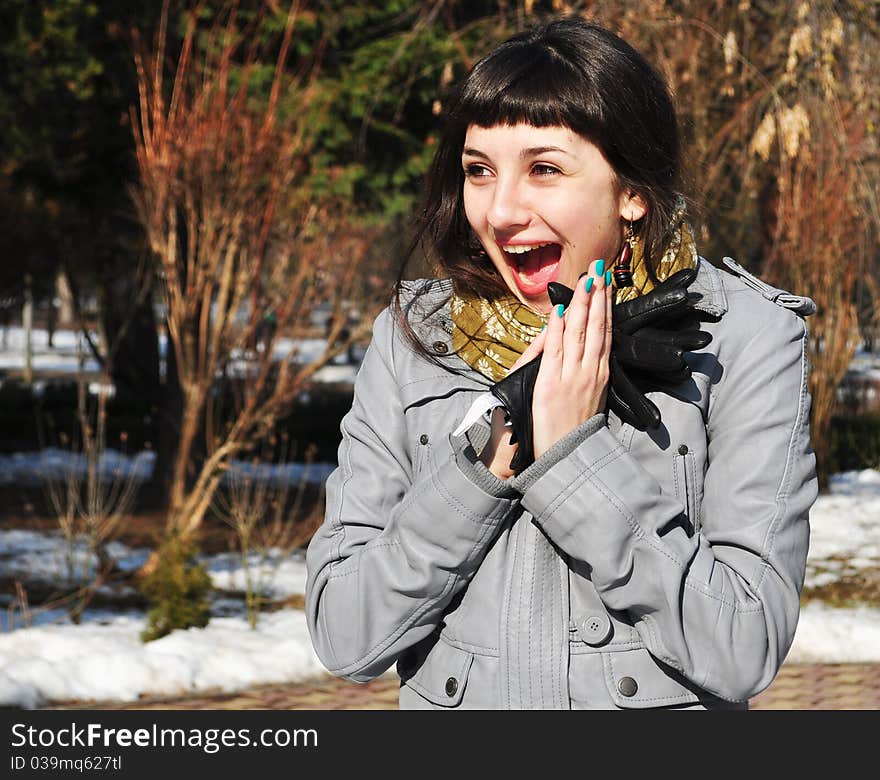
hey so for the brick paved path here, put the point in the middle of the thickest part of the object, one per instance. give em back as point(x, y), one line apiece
point(796, 687)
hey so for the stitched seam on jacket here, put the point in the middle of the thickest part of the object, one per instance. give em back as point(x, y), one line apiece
point(364, 551)
point(600, 486)
point(738, 607)
point(560, 606)
point(505, 615)
point(463, 383)
point(785, 482)
point(469, 647)
point(614, 646)
point(675, 480)
point(693, 500)
point(682, 697)
point(566, 490)
point(535, 553)
point(657, 648)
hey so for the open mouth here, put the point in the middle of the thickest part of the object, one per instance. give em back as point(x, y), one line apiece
point(534, 265)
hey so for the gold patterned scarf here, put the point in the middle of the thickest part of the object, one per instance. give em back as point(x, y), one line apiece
point(491, 334)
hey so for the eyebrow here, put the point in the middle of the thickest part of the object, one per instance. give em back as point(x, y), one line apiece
point(532, 151)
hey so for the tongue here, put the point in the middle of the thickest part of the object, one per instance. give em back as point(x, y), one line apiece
point(539, 265)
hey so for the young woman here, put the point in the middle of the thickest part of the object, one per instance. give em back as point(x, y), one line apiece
point(649, 551)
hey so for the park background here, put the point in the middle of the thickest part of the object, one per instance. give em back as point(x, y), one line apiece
point(204, 205)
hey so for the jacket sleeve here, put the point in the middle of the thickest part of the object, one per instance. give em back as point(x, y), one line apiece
point(393, 551)
point(720, 606)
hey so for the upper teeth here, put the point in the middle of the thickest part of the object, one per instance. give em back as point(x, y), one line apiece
point(520, 249)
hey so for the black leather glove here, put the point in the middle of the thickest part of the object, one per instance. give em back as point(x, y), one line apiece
point(650, 334)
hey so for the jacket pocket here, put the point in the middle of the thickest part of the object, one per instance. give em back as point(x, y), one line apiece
point(636, 680)
point(420, 453)
point(685, 474)
point(443, 675)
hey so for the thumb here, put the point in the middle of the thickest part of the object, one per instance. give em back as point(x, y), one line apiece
point(531, 352)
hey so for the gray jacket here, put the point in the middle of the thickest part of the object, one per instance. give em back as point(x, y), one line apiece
point(620, 570)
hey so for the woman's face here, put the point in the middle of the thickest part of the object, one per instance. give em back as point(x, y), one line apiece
point(544, 203)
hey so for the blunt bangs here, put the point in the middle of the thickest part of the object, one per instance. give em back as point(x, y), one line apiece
point(527, 84)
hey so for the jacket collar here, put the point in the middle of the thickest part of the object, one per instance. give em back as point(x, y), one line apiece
point(710, 287)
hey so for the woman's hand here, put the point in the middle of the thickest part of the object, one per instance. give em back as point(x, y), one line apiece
point(572, 382)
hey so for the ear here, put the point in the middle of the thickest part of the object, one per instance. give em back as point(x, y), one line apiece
point(632, 206)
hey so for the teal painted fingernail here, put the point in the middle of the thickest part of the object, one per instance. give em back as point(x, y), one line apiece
point(600, 267)
point(608, 278)
point(589, 284)
point(543, 328)
point(560, 309)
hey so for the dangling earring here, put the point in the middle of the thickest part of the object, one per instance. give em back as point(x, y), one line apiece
point(622, 270)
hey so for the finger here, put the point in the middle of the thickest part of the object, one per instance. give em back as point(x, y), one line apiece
point(598, 337)
point(605, 356)
point(646, 354)
point(576, 322)
point(630, 403)
point(531, 351)
point(551, 360)
point(609, 315)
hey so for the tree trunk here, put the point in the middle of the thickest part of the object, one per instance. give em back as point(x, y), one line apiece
point(167, 422)
point(189, 429)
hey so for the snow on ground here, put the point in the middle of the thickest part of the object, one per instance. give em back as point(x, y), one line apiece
point(836, 635)
point(107, 660)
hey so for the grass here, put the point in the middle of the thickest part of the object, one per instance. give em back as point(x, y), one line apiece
point(859, 588)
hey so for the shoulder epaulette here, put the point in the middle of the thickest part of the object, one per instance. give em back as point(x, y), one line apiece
point(800, 304)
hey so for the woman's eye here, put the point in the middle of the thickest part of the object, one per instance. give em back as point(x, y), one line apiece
point(544, 170)
point(474, 170)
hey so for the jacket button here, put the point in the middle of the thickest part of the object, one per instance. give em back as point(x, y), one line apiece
point(440, 347)
point(451, 686)
point(595, 629)
point(423, 439)
point(682, 449)
point(627, 686)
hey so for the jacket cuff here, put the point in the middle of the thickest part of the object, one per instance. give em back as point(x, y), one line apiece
point(562, 449)
point(478, 435)
point(475, 471)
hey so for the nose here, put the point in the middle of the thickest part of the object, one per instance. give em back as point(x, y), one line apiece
point(509, 209)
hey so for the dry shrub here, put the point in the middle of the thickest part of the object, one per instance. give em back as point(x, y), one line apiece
point(825, 249)
point(237, 238)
